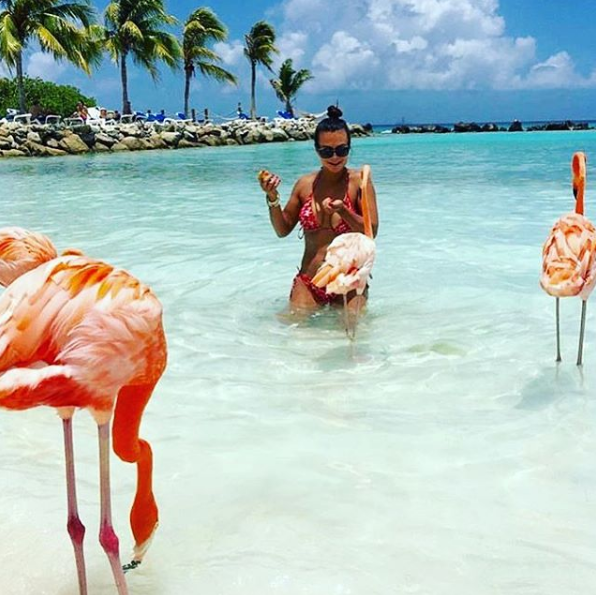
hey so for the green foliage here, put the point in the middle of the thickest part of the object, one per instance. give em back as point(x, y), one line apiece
point(260, 44)
point(203, 27)
point(288, 83)
point(55, 99)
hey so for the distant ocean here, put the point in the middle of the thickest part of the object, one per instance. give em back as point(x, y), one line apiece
point(443, 453)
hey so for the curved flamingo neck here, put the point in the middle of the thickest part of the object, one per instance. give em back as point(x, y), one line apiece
point(579, 198)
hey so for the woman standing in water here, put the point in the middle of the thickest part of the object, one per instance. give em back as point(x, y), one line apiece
point(326, 203)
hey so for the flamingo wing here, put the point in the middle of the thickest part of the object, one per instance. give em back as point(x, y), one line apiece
point(22, 250)
point(77, 324)
point(569, 257)
point(348, 263)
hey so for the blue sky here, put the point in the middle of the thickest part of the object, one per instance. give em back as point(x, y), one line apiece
point(389, 60)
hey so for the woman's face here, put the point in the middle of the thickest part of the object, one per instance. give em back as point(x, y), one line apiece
point(338, 141)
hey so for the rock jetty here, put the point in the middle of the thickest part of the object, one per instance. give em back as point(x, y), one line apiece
point(43, 140)
point(515, 126)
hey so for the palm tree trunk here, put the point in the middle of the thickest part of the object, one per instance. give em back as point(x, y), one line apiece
point(253, 82)
point(187, 75)
point(21, 83)
point(289, 107)
point(124, 76)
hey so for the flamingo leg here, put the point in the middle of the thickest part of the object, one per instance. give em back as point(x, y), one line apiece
point(351, 315)
point(582, 329)
point(107, 535)
point(350, 329)
point(75, 527)
point(558, 332)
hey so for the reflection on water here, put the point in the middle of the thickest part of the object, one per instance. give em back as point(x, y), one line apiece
point(442, 452)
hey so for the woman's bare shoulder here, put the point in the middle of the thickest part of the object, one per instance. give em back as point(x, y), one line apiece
point(304, 183)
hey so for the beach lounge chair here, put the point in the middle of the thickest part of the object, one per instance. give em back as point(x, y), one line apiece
point(179, 121)
point(10, 114)
point(53, 120)
point(75, 121)
point(181, 117)
point(24, 119)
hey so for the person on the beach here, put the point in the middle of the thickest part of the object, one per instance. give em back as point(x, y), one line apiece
point(326, 203)
point(81, 112)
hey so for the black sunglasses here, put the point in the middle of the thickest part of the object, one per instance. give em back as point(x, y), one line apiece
point(328, 152)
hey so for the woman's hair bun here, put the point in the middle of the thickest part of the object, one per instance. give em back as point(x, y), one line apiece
point(334, 112)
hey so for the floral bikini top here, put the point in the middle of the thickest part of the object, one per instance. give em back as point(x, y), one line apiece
point(308, 218)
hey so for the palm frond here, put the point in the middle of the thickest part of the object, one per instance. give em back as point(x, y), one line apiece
point(216, 72)
point(10, 45)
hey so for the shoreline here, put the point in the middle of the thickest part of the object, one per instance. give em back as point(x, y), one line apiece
point(48, 140)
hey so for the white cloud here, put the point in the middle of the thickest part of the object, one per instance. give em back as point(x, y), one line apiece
point(44, 66)
point(230, 53)
point(4, 72)
point(416, 44)
point(557, 71)
point(357, 59)
point(291, 45)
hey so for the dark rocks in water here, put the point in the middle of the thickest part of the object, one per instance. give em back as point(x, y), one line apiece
point(368, 127)
point(428, 128)
point(466, 127)
point(515, 126)
point(566, 125)
point(437, 129)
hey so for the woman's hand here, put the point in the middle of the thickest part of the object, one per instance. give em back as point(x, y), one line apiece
point(332, 205)
point(269, 183)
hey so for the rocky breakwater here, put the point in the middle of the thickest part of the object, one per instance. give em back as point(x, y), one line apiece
point(40, 140)
point(515, 126)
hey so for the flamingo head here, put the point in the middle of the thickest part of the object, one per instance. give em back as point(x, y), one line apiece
point(22, 250)
point(578, 180)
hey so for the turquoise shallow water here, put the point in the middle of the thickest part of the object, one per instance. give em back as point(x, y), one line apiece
point(444, 453)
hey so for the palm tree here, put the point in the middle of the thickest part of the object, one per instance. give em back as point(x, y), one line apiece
point(135, 28)
point(260, 44)
point(201, 27)
point(62, 28)
point(289, 82)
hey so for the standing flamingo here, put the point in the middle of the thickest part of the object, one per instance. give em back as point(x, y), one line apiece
point(569, 254)
point(79, 333)
point(350, 257)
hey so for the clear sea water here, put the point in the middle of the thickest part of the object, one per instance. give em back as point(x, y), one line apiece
point(443, 453)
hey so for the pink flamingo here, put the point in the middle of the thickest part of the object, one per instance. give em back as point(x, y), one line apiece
point(79, 333)
point(569, 254)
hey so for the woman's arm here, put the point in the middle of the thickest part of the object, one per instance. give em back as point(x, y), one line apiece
point(283, 220)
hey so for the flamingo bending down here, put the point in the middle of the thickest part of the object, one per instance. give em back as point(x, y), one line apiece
point(569, 254)
point(350, 257)
point(78, 333)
